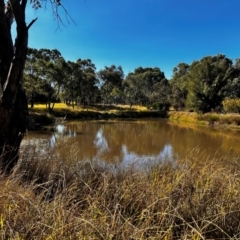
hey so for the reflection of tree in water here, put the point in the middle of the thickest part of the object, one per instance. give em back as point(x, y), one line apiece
point(125, 140)
point(141, 138)
point(106, 139)
point(207, 142)
point(80, 136)
point(185, 140)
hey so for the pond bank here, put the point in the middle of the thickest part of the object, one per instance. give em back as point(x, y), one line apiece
point(39, 118)
point(207, 119)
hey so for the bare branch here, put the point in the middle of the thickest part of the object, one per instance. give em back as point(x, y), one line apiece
point(31, 23)
point(67, 14)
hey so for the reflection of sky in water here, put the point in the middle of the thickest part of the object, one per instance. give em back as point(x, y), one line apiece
point(111, 143)
point(53, 140)
point(166, 152)
point(102, 146)
point(101, 142)
point(60, 128)
point(131, 157)
point(62, 131)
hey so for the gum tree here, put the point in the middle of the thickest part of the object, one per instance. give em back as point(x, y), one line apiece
point(110, 77)
point(13, 101)
point(207, 80)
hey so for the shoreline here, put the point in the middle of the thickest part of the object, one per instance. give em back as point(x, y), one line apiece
point(40, 118)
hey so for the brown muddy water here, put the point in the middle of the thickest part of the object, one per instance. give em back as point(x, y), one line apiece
point(141, 141)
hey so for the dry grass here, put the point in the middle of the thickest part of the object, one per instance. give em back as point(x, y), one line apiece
point(213, 119)
point(50, 198)
point(183, 116)
point(233, 119)
point(91, 112)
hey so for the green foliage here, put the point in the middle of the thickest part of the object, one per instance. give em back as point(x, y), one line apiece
point(160, 106)
point(146, 85)
point(232, 88)
point(178, 85)
point(33, 84)
point(200, 87)
point(80, 85)
point(206, 81)
point(110, 81)
point(44, 75)
point(231, 105)
point(48, 76)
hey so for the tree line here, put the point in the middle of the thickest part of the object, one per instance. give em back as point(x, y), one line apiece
point(202, 86)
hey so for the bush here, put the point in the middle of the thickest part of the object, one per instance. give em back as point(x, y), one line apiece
point(231, 105)
point(209, 117)
point(230, 119)
point(160, 106)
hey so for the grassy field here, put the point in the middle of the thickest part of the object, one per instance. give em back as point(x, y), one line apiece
point(50, 198)
point(95, 108)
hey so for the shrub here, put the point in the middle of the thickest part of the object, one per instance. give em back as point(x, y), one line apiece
point(160, 106)
point(209, 117)
point(231, 105)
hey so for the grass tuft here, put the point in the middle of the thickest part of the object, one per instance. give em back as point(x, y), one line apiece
point(52, 198)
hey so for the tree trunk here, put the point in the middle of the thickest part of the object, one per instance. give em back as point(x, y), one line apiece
point(32, 99)
point(13, 104)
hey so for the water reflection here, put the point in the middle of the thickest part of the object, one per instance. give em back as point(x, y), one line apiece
point(101, 142)
point(126, 142)
point(129, 158)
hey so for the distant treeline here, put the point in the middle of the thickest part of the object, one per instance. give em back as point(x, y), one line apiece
point(210, 84)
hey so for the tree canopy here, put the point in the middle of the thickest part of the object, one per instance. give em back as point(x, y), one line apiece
point(201, 86)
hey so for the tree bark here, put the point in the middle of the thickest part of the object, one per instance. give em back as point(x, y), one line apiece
point(13, 104)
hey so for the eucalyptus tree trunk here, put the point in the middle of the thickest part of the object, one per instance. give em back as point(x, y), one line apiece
point(13, 103)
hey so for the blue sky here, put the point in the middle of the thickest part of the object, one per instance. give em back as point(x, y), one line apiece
point(134, 33)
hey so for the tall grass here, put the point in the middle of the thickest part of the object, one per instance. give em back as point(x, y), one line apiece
point(50, 198)
point(212, 119)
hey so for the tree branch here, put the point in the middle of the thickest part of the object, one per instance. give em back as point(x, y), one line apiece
point(31, 23)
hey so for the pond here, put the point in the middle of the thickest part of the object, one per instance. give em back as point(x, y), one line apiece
point(141, 141)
